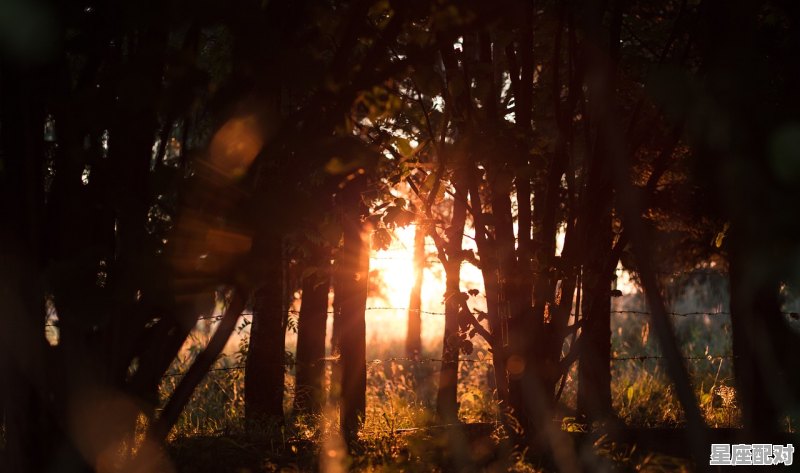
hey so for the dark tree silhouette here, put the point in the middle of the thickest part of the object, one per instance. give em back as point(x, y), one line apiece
point(354, 271)
point(311, 331)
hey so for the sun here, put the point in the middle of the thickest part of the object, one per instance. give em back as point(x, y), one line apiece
point(395, 268)
point(394, 273)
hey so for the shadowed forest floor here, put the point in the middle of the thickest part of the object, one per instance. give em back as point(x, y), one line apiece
point(632, 449)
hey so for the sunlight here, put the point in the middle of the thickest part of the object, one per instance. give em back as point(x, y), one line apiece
point(625, 283)
point(392, 279)
point(393, 270)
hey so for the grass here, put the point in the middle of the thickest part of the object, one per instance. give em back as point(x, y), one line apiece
point(400, 395)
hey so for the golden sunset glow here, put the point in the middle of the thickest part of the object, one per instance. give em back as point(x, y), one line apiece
point(388, 301)
point(393, 270)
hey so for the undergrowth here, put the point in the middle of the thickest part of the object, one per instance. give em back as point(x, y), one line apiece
point(401, 395)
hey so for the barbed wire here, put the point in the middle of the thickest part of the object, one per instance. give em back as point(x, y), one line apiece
point(661, 357)
point(793, 315)
point(429, 261)
point(674, 314)
point(331, 312)
point(242, 366)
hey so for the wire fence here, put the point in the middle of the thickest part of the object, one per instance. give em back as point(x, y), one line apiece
point(793, 315)
point(623, 358)
point(642, 358)
point(408, 360)
point(707, 357)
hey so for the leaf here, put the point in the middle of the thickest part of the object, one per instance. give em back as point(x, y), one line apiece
point(390, 215)
point(398, 217)
point(428, 182)
point(473, 292)
point(403, 147)
point(381, 239)
point(453, 340)
point(467, 347)
point(721, 236)
point(404, 218)
point(374, 220)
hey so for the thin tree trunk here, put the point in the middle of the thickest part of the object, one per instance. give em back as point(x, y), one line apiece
point(264, 372)
point(160, 428)
point(311, 332)
point(491, 287)
point(414, 330)
point(335, 391)
point(596, 234)
point(446, 397)
point(594, 368)
point(353, 286)
point(758, 338)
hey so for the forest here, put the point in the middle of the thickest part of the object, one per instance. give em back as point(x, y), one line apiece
point(399, 235)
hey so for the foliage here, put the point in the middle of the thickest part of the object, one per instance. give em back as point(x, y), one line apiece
point(153, 154)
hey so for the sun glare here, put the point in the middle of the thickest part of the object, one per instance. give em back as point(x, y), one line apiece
point(392, 271)
point(393, 268)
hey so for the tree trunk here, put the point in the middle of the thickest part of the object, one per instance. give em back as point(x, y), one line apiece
point(488, 259)
point(594, 365)
point(596, 234)
point(264, 372)
point(29, 415)
point(311, 332)
point(759, 337)
point(353, 286)
point(335, 391)
point(446, 397)
point(414, 330)
point(157, 431)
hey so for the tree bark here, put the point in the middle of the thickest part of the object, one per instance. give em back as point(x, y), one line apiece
point(764, 345)
point(311, 332)
point(158, 430)
point(446, 397)
point(414, 328)
point(488, 260)
point(353, 286)
point(264, 372)
point(594, 365)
